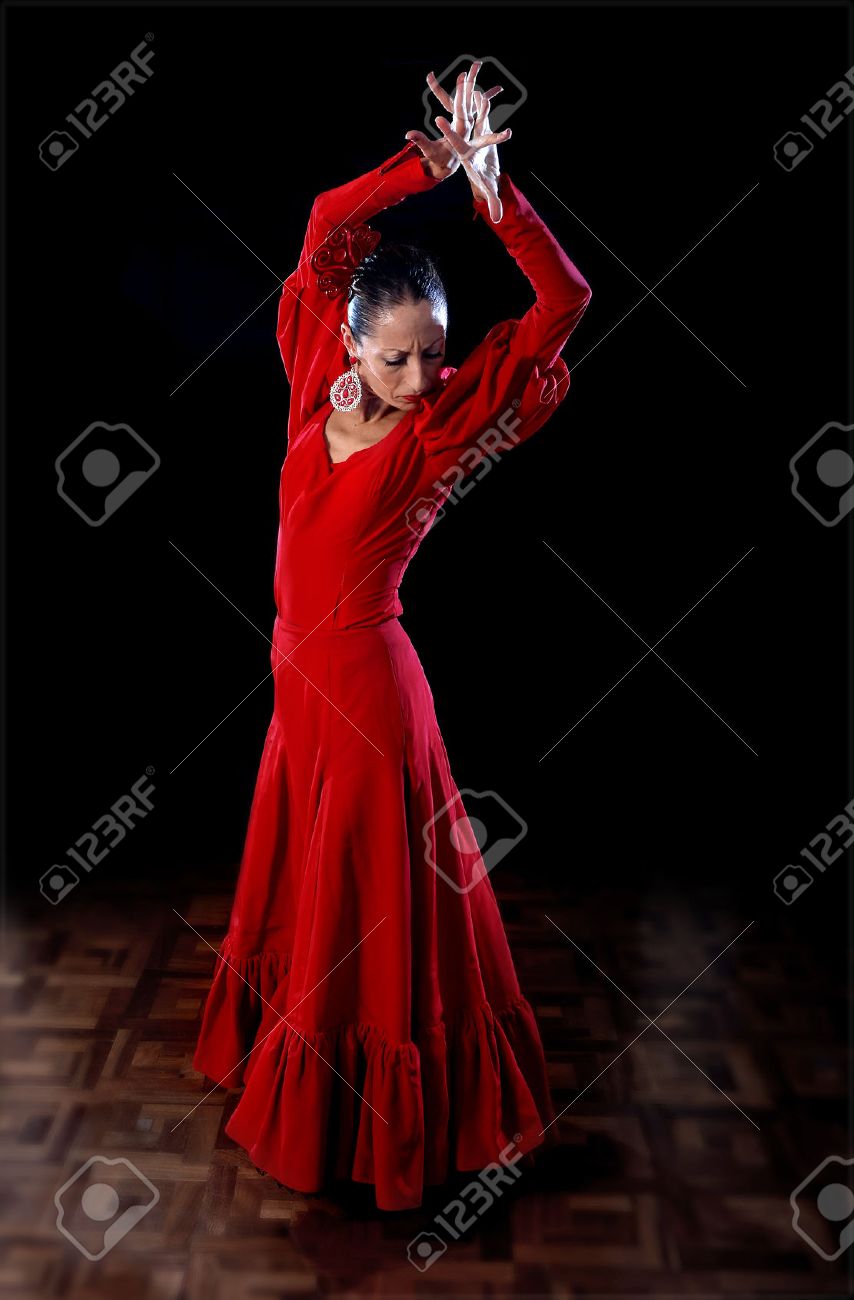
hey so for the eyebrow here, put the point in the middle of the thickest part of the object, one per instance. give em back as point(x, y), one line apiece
point(440, 339)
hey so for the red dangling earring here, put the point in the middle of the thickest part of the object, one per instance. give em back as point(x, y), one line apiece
point(346, 393)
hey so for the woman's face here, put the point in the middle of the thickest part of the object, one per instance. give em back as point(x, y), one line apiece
point(401, 360)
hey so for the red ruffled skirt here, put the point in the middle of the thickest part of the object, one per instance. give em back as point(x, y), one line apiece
point(365, 994)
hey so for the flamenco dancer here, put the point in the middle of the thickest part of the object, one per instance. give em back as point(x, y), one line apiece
point(365, 994)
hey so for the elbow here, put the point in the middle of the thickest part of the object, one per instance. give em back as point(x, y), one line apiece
point(583, 294)
point(572, 306)
point(318, 207)
point(571, 287)
point(573, 297)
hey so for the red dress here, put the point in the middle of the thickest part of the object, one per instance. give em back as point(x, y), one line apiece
point(365, 993)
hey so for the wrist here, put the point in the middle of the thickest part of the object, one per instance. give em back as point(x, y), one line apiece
point(480, 191)
point(437, 170)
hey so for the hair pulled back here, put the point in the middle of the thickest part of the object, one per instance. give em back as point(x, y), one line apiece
point(392, 275)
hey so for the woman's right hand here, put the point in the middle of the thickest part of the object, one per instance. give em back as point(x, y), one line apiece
point(441, 159)
point(472, 141)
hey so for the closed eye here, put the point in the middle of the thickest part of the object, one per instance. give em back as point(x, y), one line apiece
point(428, 356)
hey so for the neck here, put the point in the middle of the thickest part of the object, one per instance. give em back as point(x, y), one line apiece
point(374, 408)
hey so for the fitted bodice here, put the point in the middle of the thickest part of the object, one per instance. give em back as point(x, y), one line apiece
point(348, 531)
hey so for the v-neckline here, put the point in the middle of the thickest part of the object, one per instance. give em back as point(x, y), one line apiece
point(333, 465)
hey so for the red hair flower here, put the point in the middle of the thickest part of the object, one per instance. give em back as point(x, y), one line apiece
point(338, 256)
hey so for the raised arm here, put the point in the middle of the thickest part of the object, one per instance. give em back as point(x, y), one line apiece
point(516, 377)
point(561, 291)
point(314, 301)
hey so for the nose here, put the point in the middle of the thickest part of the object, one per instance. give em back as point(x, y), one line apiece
point(418, 379)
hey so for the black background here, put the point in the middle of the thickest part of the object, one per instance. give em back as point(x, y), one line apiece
point(658, 474)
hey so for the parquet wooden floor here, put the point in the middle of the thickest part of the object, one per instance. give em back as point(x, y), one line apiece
point(677, 1159)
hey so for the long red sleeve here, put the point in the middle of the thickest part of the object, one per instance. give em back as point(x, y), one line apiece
point(515, 378)
point(562, 291)
point(309, 322)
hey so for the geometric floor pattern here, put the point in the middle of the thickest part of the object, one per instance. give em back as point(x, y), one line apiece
point(673, 1175)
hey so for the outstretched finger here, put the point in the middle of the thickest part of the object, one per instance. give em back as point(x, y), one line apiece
point(442, 95)
point(470, 82)
point(424, 143)
point(462, 116)
point(481, 104)
point(419, 138)
point(458, 143)
point(494, 137)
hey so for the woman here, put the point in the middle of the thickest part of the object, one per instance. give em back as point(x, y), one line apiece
point(365, 992)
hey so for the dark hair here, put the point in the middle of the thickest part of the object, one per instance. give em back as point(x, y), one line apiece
point(392, 275)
